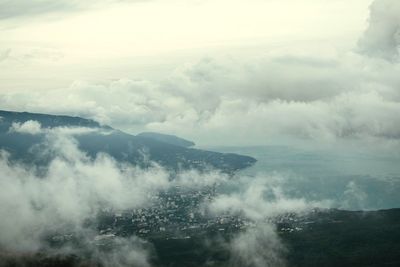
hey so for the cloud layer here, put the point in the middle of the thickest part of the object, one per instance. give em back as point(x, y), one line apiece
point(75, 188)
point(21, 8)
point(237, 102)
point(284, 92)
point(262, 197)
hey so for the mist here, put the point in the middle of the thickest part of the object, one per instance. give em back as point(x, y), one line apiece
point(74, 189)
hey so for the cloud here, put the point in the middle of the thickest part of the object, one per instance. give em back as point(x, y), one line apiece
point(244, 104)
point(261, 197)
point(34, 127)
point(382, 38)
point(22, 8)
point(284, 93)
point(28, 127)
point(73, 189)
point(4, 54)
point(305, 95)
point(195, 179)
point(354, 197)
point(15, 8)
point(257, 247)
point(131, 251)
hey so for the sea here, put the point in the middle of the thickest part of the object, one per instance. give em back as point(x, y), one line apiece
point(349, 179)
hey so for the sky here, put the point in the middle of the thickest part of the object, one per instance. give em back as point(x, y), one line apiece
point(218, 72)
point(131, 39)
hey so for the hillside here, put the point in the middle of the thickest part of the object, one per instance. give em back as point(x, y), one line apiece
point(138, 150)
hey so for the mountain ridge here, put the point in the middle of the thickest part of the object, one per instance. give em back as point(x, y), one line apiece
point(118, 144)
point(168, 138)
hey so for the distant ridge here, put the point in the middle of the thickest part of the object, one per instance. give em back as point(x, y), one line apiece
point(167, 138)
point(169, 151)
point(50, 121)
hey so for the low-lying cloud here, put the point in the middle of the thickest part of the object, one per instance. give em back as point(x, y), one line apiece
point(262, 197)
point(28, 127)
point(257, 247)
point(75, 188)
point(259, 199)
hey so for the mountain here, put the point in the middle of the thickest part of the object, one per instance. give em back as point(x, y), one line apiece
point(21, 133)
point(322, 238)
point(343, 238)
point(169, 139)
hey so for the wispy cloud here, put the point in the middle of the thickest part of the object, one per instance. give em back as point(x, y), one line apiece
point(23, 8)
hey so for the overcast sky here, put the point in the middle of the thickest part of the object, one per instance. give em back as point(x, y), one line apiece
point(234, 72)
point(105, 40)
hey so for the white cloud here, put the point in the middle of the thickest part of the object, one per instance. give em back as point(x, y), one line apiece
point(34, 127)
point(258, 247)
point(237, 102)
point(16, 8)
point(74, 188)
point(195, 179)
point(5, 54)
point(259, 199)
point(107, 40)
point(382, 38)
point(28, 127)
point(324, 95)
point(354, 197)
point(262, 197)
point(22, 8)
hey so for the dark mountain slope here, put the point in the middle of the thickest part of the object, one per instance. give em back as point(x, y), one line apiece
point(323, 238)
point(47, 121)
point(166, 138)
point(122, 146)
